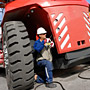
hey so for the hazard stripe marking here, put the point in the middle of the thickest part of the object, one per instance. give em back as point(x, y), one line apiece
point(87, 27)
point(86, 20)
point(85, 14)
point(65, 41)
point(88, 33)
point(69, 45)
point(52, 15)
point(60, 25)
point(63, 32)
point(58, 18)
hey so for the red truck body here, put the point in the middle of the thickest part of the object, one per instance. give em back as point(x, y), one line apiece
point(68, 20)
point(67, 23)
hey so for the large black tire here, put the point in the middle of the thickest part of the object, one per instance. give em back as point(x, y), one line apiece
point(20, 67)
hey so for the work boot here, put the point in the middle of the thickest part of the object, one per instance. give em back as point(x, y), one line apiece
point(51, 85)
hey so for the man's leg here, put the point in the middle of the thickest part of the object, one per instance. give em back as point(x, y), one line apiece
point(40, 77)
point(48, 71)
point(49, 74)
point(39, 80)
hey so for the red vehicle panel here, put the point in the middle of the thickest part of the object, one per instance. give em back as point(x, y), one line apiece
point(67, 23)
point(70, 29)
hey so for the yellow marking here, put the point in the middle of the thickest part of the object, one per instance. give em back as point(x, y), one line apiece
point(48, 43)
point(89, 13)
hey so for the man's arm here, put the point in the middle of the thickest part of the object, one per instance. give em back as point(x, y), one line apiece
point(39, 46)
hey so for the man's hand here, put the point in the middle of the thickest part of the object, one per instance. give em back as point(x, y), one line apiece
point(48, 43)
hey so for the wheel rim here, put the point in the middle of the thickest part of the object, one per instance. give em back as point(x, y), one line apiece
point(5, 54)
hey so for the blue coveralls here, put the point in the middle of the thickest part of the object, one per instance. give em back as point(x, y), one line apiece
point(38, 46)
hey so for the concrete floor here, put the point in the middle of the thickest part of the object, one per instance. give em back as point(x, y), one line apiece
point(69, 79)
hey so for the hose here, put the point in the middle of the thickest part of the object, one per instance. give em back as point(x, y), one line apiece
point(79, 75)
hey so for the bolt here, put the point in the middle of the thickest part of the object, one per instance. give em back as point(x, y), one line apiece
point(32, 11)
point(59, 38)
point(28, 15)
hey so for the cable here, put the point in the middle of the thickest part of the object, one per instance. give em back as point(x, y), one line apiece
point(53, 82)
point(59, 84)
point(79, 75)
point(38, 86)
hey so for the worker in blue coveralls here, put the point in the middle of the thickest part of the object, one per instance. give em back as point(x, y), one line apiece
point(44, 57)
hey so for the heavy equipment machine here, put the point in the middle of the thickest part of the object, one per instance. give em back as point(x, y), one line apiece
point(66, 20)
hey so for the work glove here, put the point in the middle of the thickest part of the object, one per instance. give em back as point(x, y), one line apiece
point(48, 43)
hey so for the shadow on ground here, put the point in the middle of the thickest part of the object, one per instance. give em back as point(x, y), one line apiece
point(71, 71)
point(2, 72)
